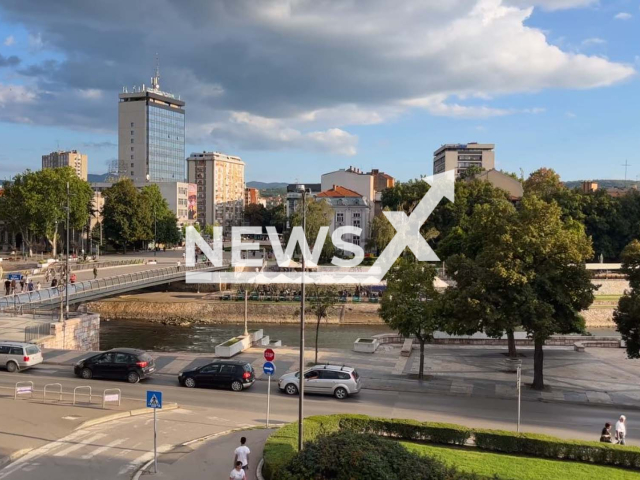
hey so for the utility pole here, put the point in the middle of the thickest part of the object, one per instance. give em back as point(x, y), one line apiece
point(301, 374)
point(155, 231)
point(246, 310)
point(67, 276)
point(625, 165)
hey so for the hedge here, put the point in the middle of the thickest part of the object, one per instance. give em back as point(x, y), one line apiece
point(552, 447)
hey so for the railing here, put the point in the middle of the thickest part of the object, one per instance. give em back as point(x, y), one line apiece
point(34, 332)
point(97, 287)
point(54, 388)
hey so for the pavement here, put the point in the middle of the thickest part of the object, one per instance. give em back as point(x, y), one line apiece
point(599, 376)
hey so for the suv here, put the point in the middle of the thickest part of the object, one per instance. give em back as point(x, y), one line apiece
point(127, 364)
point(336, 380)
point(234, 374)
point(16, 356)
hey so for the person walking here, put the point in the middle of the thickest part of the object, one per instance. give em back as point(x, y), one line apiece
point(95, 272)
point(7, 287)
point(605, 436)
point(238, 473)
point(13, 287)
point(38, 287)
point(22, 282)
point(242, 454)
point(54, 282)
point(621, 429)
point(30, 286)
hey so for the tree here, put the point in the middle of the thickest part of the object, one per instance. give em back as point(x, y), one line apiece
point(278, 217)
point(123, 215)
point(155, 214)
point(411, 304)
point(382, 232)
point(319, 214)
point(320, 303)
point(544, 183)
point(168, 231)
point(256, 215)
point(627, 315)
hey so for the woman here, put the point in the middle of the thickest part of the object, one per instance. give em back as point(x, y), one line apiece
point(605, 436)
point(237, 473)
point(621, 430)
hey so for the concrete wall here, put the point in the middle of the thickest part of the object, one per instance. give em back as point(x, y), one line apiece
point(79, 333)
point(611, 287)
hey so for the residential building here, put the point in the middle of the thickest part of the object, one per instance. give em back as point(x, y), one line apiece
point(381, 181)
point(181, 198)
point(350, 209)
point(294, 196)
point(151, 134)
point(589, 186)
point(459, 157)
point(69, 158)
point(511, 185)
point(251, 196)
point(220, 187)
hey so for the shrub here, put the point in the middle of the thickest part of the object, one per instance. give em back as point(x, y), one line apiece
point(347, 455)
point(552, 447)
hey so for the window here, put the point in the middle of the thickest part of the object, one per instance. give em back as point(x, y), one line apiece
point(312, 375)
point(228, 369)
point(132, 174)
point(4, 350)
point(132, 149)
point(343, 376)
point(123, 358)
point(106, 358)
point(210, 369)
point(356, 214)
point(356, 223)
point(328, 375)
point(132, 140)
point(15, 351)
point(132, 132)
point(32, 350)
point(339, 217)
point(132, 159)
point(131, 124)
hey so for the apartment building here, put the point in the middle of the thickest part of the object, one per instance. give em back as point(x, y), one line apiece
point(460, 157)
point(70, 158)
point(350, 208)
point(220, 187)
point(294, 195)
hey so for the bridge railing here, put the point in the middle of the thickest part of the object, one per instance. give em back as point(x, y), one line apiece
point(49, 295)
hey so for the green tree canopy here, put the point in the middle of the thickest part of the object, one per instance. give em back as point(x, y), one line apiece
point(125, 215)
point(319, 214)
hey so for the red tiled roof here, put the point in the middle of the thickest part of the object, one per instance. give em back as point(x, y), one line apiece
point(338, 191)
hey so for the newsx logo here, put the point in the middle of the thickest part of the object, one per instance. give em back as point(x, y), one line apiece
point(407, 235)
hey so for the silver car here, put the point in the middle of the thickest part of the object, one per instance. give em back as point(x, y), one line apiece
point(339, 381)
point(16, 356)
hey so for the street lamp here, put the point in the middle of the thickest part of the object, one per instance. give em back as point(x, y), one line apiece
point(301, 188)
point(67, 276)
point(155, 231)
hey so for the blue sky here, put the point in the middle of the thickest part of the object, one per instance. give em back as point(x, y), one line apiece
point(298, 88)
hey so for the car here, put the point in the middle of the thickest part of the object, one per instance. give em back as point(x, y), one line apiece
point(339, 381)
point(16, 356)
point(128, 364)
point(220, 373)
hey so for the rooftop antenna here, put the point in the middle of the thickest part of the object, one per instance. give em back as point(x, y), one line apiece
point(155, 80)
point(625, 165)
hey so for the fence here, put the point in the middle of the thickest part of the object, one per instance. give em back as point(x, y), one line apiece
point(34, 332)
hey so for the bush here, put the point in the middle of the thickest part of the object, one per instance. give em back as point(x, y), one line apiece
point(347, 455)
point(552, 447)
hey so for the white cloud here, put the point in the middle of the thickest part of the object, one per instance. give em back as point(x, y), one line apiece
point(593, 41)
point(623, 16)
point(16, 94)
point(570, 115)
point(554, 4)
point(90, 94)
point(35, 42)
point(10, 40)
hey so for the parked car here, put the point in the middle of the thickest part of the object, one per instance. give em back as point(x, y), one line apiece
point(336, 380)
point(221, 373)
point(16, 356)
point(127, 364)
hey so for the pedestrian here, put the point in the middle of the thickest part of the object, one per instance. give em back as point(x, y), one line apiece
point(72, 279)
point(30, 286)
point(95, 272)
point(38, 286)
point(242, 454)
point(605, 436)
point(621, 429)
point(238, 473)
point(22, 280)
point(47, 276)
point(7, 286)
point(54, 282)
point(13, 286)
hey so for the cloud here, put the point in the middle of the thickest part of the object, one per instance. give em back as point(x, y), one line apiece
point(11, 61)
point(10, 40)
point(98, 145)
point(623, 16)
point(570, 115)
point(593, 41)
point(296, 73)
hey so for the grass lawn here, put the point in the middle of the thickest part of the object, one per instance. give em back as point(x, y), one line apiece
point(512, 467)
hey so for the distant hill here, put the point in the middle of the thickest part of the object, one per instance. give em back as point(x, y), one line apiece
point(603, 183)
point(267, 185)
point(95, 178)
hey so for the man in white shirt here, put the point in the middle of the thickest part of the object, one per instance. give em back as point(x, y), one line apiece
point(621, 430)
point(237, 473)
point(242, 455)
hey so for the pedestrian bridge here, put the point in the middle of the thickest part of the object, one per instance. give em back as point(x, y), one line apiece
point(88, 290)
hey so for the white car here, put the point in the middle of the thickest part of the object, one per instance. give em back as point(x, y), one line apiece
point(16, 356)
point(339, 381)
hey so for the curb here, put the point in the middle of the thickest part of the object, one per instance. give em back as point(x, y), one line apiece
point(14, 456)
point(138, 473)
point(119, 415)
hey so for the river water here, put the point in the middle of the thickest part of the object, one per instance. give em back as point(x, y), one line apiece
point(204, 338)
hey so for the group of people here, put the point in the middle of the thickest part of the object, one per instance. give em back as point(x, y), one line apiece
point(25, 284)
point(241, 462)
point(620, 432)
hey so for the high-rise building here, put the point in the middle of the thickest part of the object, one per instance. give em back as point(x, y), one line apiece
point(459, 157)
point(151, 134)
point(220, 187)
point(70, 158)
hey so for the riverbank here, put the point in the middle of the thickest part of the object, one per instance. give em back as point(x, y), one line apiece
point(182, 308)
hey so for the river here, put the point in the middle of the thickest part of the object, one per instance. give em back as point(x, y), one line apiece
point(203, 338)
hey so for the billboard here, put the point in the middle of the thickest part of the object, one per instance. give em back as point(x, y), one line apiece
point(192, 201)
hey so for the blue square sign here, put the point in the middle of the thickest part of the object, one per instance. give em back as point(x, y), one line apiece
point(154, 399)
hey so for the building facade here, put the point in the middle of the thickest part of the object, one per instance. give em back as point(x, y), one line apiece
point(505, 182)
point(181, 199)
point(294, 195)
point(151, 135)
point(220, 187)
point(349, 209)
point(251, 196)
point(459, 157)
point(71, 158)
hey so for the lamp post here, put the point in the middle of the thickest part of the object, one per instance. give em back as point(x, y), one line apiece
point(302, 288)
point(155, 231)
point(67, 260)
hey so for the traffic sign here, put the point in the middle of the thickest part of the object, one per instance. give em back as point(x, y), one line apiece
point(14, 276)
point(269, 368)
point(154, 399)
point(269, 355)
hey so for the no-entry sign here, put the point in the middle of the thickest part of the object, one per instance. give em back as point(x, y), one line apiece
point(269, 355)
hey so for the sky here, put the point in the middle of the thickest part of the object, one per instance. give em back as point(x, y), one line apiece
point(298, 88)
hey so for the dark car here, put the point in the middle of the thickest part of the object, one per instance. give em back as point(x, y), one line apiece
point(237, 375)
point(127, 364)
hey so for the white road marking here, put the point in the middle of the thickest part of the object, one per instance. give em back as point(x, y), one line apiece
point(100, 450)
point(79, 445)
point(141, 460)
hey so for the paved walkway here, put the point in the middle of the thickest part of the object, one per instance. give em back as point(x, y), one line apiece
point(211, 459)
point(601, 376)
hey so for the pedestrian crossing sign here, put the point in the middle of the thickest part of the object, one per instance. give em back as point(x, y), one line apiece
point(154, 399)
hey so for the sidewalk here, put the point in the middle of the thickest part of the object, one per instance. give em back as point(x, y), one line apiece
point(210, 459)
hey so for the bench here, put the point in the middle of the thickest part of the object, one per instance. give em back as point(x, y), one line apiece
point(407, 346)
point(580, 346)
